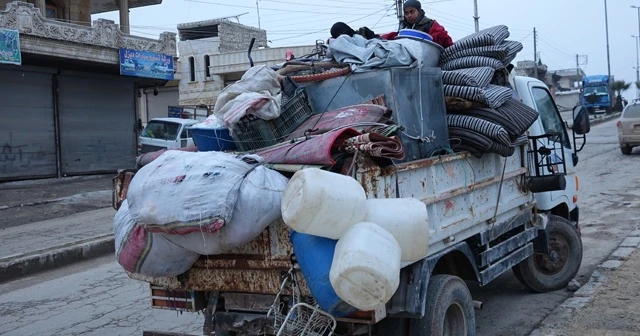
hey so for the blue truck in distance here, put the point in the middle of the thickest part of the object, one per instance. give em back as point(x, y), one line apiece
point(596, 93)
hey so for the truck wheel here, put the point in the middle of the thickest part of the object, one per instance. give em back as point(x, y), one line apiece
point(449, 309)
point(548, 272)
point(626, 150)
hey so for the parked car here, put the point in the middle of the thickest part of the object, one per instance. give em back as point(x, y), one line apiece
point(166, 133)
point(629, 128)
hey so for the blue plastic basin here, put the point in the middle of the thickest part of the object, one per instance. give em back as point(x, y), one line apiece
point(209, 139)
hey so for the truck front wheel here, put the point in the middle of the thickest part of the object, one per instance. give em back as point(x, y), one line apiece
point(548, 272)
point(449, 309)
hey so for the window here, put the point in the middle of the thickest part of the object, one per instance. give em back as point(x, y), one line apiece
point(599, 90)
point(632, 111)
point(158, 129)
point(192, 69)
point(549, 115)
point(185, 134)
point(207, 63)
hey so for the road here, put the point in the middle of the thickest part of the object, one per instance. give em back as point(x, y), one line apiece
point(609, 193)
point(96, 296)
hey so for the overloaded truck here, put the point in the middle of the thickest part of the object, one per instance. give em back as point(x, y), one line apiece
point(486, 216)
point(343, 256)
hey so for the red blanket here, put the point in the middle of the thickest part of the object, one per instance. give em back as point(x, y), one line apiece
point(359, 117)
point(315, 150)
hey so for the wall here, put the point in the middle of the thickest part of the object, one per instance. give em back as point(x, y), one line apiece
point(237, 37)
point(151, 106)
point(75, 11)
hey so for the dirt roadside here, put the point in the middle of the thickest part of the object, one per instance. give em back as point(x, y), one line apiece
point(615, 310)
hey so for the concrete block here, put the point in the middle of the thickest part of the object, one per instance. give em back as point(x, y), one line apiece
point(630, 242)
point(622, 253)
point(611, 264)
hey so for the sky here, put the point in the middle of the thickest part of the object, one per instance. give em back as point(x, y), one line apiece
point(564, 27)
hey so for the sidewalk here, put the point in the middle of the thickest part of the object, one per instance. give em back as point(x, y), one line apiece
point(612, 309)
point(38, 246)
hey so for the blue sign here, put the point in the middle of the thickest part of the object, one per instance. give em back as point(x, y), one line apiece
point(175, 112)
point(146, 64)
point(10, 47)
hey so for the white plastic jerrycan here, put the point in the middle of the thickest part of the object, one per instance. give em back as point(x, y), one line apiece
point(406, 219)
point(365, 271)
point(322, 203)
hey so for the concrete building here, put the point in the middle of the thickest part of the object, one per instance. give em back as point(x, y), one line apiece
point(65, 109)
point(213, 54)
point(569, 79)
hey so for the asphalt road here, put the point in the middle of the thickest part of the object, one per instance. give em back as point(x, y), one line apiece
point(608, 200)
point(97, 298)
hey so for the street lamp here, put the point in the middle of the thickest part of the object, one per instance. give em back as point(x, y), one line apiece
point(637, 40)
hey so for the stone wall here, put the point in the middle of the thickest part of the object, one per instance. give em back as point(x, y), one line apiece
point(236, 37)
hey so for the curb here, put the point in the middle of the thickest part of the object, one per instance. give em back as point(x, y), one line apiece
point(605, 119)
point(569, 307)
point(21, 265)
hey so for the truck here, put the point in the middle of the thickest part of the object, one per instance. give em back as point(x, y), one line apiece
point(487, 215)
point(597, 94)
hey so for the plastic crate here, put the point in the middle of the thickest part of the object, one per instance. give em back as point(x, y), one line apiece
point(293, 113)
point(253, 133)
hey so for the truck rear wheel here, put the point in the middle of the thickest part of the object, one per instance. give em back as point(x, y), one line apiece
point(449, 309)
point(548, 272)
point(626, 150)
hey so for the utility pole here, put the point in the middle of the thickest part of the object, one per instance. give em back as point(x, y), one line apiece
point(535, 53)
point(258, 9)
point(476, 18)
point(606, 23)
point(637, 40)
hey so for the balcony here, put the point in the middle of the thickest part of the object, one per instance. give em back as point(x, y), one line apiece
point(41, 37)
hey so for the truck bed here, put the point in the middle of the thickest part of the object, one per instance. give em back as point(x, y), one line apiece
point(464, 195)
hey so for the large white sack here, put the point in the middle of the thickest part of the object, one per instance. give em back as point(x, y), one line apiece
point(257, 92)
point(146, 253)
point(257, 206)
point(185, 192)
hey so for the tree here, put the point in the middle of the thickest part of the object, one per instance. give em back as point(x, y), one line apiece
point(620, 86)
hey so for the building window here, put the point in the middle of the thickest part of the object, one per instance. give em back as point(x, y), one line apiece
point(51, 10)
point(207, 63)
point(192, 69)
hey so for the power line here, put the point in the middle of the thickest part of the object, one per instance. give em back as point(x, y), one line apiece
point(318, 31)
point(315, 5)
point(268, 9)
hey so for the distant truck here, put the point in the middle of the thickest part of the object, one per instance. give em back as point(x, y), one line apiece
point(597, 94)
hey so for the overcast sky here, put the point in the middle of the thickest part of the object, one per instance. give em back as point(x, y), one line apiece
point(565, 27)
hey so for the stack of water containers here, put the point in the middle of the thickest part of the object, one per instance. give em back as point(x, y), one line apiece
point(350, 248)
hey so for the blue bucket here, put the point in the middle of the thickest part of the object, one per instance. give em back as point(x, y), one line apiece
point(315, 255)
point(210, 139)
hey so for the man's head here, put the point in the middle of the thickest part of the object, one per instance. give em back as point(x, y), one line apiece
point(341, 28)
point(412, 11)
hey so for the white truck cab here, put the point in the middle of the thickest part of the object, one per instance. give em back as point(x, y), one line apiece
point(166, 133)
point(535, 94)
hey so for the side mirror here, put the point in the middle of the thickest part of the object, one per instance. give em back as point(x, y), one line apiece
point(581, 123)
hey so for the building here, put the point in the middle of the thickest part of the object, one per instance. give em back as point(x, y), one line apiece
point(66, 108)
point(213, 54)
point(569, 79)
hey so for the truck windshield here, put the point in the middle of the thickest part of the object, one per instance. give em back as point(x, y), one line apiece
point(165, 130)
point(599, 90)
point(549, 115)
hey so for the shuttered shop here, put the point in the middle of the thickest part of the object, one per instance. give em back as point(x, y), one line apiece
point(27, 132)
point(93, 116)
point(97, 124)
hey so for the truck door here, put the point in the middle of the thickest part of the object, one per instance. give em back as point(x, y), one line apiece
point(550, 121)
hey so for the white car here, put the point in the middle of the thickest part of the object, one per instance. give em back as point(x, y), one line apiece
point(629, 128)
point(166, 133)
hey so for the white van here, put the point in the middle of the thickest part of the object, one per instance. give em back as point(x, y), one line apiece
point(165, 133)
